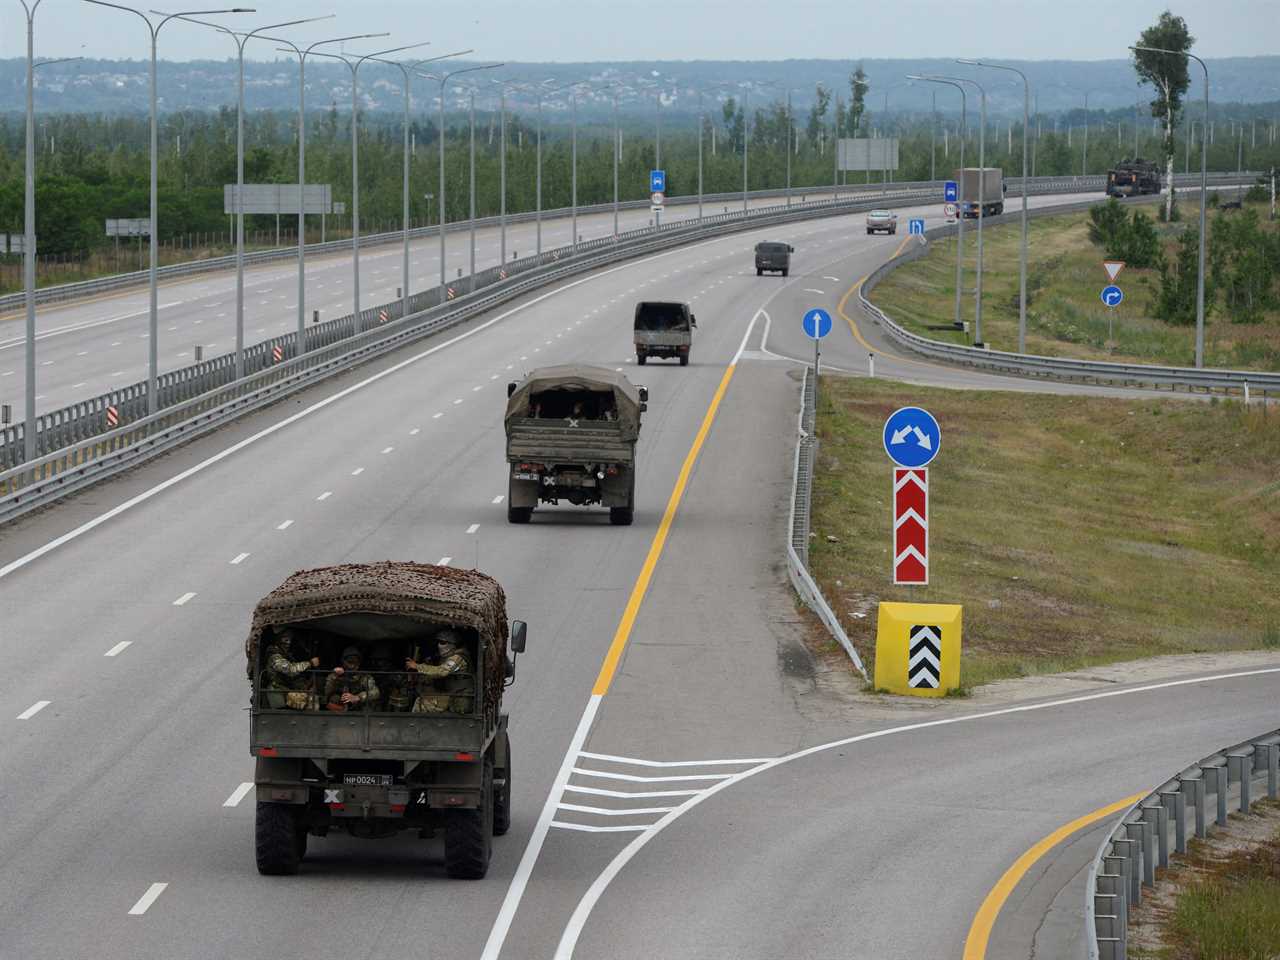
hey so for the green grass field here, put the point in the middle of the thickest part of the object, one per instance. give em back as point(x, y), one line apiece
point(1065, 317)
point(1074, 531)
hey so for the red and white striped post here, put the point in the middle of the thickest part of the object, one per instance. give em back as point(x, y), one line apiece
point(911, 526)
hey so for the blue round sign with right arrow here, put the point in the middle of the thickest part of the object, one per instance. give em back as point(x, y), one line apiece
point(1112, 295)
point(912, 437)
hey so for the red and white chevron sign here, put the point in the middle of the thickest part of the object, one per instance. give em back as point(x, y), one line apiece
point(911, 526)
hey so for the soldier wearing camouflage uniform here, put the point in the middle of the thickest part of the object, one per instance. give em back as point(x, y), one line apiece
point(397, 697)
point(453, 671)
point(287, 682)
point(346, 688)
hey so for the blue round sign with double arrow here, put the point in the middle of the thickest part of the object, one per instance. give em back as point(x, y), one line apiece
point(912, 437)
point(817, 323)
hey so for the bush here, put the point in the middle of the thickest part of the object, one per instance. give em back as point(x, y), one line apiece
point(1243, 266)
point(1131, 239)
point(1176, 301)
point(1258, 194)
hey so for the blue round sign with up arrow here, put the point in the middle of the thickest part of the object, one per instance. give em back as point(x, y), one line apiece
point(817, 323)
point(912, 437)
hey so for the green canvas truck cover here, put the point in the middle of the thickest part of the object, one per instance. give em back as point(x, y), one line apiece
point(579, 376)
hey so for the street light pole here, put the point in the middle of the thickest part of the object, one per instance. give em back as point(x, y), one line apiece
point(153, 358)
point(29, 240)
point(982, 202)
point(1022, 261)
point(302, 55)
point(702, 124)
point(960, 207)
point(1204, 190)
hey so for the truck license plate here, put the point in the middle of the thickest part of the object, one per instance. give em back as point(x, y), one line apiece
point(368, 779)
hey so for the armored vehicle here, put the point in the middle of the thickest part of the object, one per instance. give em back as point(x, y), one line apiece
point(1131, 178)
point(773, 255)
point(385, 746)
point(571, 435)
point(663, 330)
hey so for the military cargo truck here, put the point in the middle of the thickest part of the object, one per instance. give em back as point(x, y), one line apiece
point(1131, 178)
point(663, 329)
point(416, 752)
point(571, 435)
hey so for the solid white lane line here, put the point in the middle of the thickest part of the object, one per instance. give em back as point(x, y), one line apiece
point(386, 450)
point(326, 495)
point(573, 929)
point(586, 828)
point(631, 778)
point(118, 649)
point(284, 526)
point(239, 558)
point(628, 794)
point(237, 795)
point(444, 561)
point(32, 710)
point(473, 528)
point(636, 761)
point(499, 498)
point(606, 812)
point(147, 899)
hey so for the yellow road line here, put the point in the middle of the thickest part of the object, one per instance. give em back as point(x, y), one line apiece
point(975, 944)
point(623, 633)
point(853, 327)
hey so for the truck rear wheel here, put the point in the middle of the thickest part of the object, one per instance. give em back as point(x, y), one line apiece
point(684, 360)
point(468, 835)
point(519, 514)
point(502, 799)
point(279, 841)
point(641, 358)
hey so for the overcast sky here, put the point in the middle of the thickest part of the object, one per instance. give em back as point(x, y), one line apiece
point(584, 30)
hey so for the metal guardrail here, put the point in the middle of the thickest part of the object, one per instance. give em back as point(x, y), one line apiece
point(204, 396)
point(798, 522)
point(1142, 838)
point(1242, 382)
point(86, 288)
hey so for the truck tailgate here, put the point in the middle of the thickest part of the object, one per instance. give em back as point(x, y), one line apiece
point(557, 441)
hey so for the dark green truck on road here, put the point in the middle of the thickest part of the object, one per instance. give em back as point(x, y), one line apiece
point(773, 255)
point(571, 435)
point(663, 329)
point(425, 753)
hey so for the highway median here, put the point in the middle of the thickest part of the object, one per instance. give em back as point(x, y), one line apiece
point(1075, 531)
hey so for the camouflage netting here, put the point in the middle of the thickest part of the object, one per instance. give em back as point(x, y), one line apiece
point(417, 592)
point(580, 376)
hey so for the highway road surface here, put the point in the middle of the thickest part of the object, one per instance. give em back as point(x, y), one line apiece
point(687, 783)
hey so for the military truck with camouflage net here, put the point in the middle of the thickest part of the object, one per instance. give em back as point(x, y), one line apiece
point(571, 435)
point(384, 748)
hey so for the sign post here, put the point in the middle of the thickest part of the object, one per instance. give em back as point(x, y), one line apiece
point(911, 439)
point(950, 192)
point(817, 324)
point(657, 189)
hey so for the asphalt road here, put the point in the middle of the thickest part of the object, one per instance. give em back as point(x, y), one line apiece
point(88, 347)
point(123, 734)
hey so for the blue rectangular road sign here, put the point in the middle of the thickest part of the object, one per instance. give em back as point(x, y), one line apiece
point(950, 192)
point(657, 181)
point(915, 226)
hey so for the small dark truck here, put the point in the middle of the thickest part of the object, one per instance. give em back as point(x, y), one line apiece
point(571, 435)
point(773, 255)
point(663, 330)
point(423, 755)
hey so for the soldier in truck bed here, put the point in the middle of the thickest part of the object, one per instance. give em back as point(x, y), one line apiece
point(287, 682)
point(453, 671)
point(346, 688)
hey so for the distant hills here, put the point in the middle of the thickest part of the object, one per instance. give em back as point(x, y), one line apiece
point(120, 86)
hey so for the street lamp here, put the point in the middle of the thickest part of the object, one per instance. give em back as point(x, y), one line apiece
point(353, 64)
point(443, 78)
point(240, 39)
point(1022, 264)
point(502, 172)
point(960, 209)
point(405, 70)
point(153, 360)
point(1204, 188)
point(302, 55)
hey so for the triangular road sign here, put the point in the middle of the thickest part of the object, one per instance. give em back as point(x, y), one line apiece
point(1113, 268)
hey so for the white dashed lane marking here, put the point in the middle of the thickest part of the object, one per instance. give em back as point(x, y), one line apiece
point(326, 495)
point(386, 450)
point(237, 795)
point(499, 498)
point(182, 600)
point(357, 471)
point(32, 710)
point(444, 561)
point(415, 431)
point(238, 559)
point(118, 649)
point(436, 416)
point(473, 528)
point(285, 526)
point(147, 899)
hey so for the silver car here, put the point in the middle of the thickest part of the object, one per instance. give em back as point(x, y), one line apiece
point(885, 220)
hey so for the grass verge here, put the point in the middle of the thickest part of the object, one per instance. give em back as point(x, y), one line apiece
point(1074, 531)
point(1065, 316)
